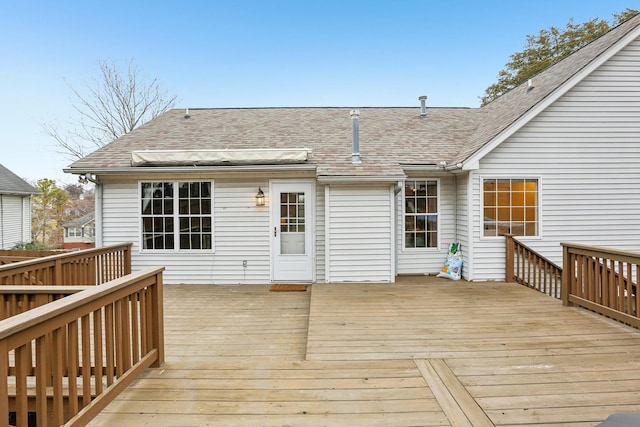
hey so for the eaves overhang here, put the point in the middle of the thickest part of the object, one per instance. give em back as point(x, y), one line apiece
point(19, 193)
point(352, 179)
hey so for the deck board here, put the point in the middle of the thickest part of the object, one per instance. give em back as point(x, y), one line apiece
point(354, 354)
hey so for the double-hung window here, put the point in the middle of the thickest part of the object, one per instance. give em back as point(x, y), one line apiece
point(510, 207)
point(73, 232)
point(421, 214)
point(177, 215)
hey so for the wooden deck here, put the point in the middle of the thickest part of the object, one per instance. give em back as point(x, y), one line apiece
point(421, 352)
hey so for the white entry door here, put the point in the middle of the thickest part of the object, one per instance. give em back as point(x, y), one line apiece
point(292, 231)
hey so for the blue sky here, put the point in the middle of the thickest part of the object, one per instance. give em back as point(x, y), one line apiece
point(258, 54)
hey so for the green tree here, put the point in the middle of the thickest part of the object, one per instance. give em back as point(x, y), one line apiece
point(546, 48)
point(47, 212)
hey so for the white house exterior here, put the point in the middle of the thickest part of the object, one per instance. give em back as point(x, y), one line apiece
point(15, 209)
point(79, 233)
point(367, 195)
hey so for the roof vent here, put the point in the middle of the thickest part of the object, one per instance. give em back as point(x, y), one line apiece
point(186, 114)
point(355, 137)
point(423, 106)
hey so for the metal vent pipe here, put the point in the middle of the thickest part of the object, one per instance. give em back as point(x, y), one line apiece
point(355, 137)
point(423, 106)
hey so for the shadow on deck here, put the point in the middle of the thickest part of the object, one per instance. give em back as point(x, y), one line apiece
point(423, 351)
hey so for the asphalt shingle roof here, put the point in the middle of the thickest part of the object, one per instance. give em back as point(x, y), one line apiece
point(10, 183)
point(389, 136)
point(80, 221)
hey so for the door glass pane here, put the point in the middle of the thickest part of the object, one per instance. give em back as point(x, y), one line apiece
point(292, 237)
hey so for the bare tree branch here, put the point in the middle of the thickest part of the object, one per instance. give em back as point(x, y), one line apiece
point(114, 104)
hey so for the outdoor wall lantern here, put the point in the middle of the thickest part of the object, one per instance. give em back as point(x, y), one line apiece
point(260, 197)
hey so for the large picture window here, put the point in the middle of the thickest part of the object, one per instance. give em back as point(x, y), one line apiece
point(421, 214)
point(176, 215)
point(510, 207)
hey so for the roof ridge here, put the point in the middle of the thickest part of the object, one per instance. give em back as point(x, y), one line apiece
point(314, 107)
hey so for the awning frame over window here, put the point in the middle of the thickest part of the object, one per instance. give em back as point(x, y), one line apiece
point(214, 157)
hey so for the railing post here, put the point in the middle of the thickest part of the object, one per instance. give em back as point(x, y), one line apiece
point(57, 273)
point(567, 272)
point(509, 248)
point(127, 259)
point(157, 321)
point(4, 390)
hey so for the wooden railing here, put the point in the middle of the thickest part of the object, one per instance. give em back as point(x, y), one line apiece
point(18, 299)
point(602, 280)
point(85, 268)
point(529, 268)
point(8, 256)
point(66, 360)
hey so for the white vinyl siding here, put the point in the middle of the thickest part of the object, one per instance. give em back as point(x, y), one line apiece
point(15, 220)
point(359, 234)
point(241, 233)
point(585, 149)
point(320, 234)
point(462, 221)
point(430, 260)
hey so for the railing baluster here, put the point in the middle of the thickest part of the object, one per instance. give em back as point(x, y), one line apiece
point(22, 404)
point(4, 386)
point(42, 379)
point(109, 348)
point(135, 330)
point(628, 290)
point(85, 334)
point(636, 311)
point(58, 373)
point(98, 344)
point(72, 366)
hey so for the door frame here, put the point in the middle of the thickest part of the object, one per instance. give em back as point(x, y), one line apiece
point(275, 188)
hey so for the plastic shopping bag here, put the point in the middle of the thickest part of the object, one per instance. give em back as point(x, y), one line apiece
point(452, 268)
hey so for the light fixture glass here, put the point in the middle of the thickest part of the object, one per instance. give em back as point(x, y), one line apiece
point(260, 197)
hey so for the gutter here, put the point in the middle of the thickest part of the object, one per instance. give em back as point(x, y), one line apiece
point(454, 167)
point(349, 179)
point(440, 167)
point(187, 169)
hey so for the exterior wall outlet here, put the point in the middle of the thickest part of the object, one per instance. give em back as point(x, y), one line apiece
point(244, 263)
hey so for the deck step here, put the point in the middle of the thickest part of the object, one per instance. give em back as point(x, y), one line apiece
point(456, 402)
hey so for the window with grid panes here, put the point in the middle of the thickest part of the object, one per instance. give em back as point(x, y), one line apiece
point(421, 214)
point(510, 206)
point(177, 215)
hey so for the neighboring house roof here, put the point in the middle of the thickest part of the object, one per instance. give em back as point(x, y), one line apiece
point(81, 221)
point(11, 183)
point(390, 137)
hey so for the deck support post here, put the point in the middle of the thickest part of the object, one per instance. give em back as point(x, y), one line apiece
point(509, 247)
point(565, 283)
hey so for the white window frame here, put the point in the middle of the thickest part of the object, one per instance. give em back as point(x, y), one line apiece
point(482, 179)
point(176, 217)
point(73, 232)
point(404, 216)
